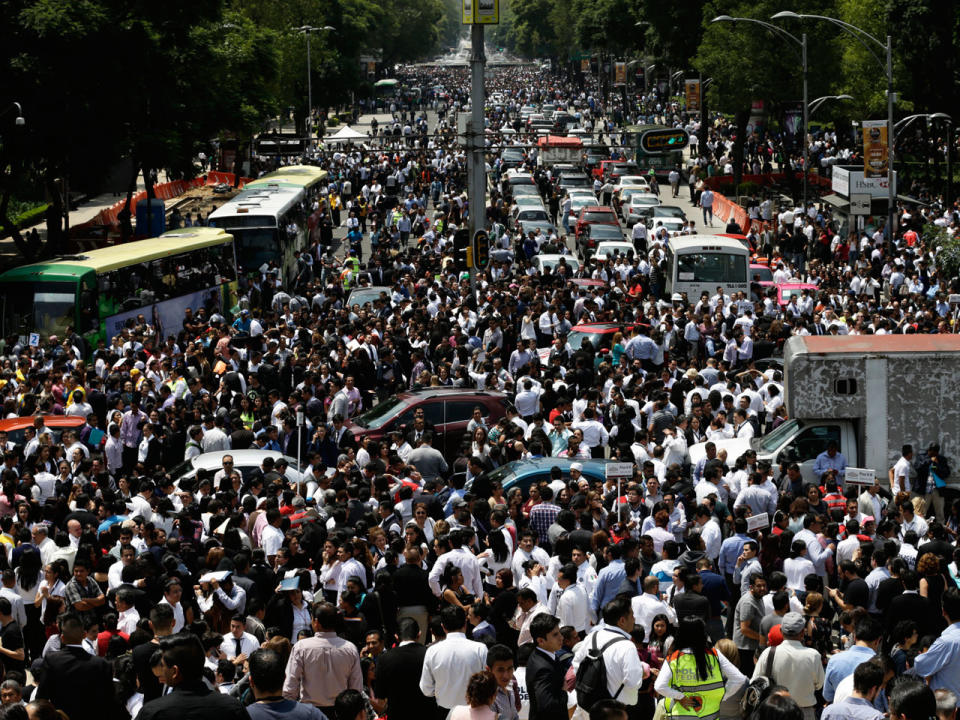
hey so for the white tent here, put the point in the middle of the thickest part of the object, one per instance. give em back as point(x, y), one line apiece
point(346, 134)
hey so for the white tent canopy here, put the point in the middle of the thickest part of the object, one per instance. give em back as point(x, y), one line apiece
point(346, 134)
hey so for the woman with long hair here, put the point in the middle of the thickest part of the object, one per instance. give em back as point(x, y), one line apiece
point(694, 680)
point(661, 635)
point(28, 576)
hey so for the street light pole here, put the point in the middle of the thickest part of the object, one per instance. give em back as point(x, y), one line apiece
point(476, 166)
point(307, 30)
point(862, 36)
point(802, 42)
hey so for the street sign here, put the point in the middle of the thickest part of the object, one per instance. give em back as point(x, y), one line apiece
point(619, 470)
point(759, 521)
point(860, 204)
point(860, 476)
point(660, 140)
point(481, 12)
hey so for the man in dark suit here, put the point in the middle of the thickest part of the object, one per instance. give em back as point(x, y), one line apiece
point(548, 699)
point(398, 676)
point(692, 601)
point(910, 605)
point(190, 698)
point(72, 676)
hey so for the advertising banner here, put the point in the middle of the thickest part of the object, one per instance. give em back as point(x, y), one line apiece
point(875, 149)
point(692, 88)
point(585, 65)
point(619, 73)
point(481, 12)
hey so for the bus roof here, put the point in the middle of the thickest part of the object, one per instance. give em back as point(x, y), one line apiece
point(269, 199)
point(295, 175)
point(560, 141)
point(706, 242)
point(169, 244)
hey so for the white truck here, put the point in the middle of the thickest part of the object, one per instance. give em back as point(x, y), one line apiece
point(871, 393)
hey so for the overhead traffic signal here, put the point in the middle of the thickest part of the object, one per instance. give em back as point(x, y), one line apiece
point(481, 249)
point(660, 140)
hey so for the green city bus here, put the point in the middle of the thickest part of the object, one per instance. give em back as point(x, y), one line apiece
point(99, 292)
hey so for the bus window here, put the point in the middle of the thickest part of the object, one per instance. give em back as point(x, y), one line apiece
point(711, 267)
point(45, 307)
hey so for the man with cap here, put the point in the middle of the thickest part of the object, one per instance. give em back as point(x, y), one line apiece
point(795, 667)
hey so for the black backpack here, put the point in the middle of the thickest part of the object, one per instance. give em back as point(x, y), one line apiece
point(592, 675)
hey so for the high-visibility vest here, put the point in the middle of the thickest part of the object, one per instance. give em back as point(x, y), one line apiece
point(684, 677)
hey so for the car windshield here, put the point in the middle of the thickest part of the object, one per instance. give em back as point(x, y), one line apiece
point(598, 216)
point(610, 232)
point(761, 274)
point(379, 413)
point(533, 215)
point(773, 440)
point(47, 308)
point(576, 338)
point(712, 267)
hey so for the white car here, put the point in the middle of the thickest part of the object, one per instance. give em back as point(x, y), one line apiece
point(638, 201)
point(246, 461)
point(631, 181)
point(610, 248)
point(672, 224)
point(551, 261)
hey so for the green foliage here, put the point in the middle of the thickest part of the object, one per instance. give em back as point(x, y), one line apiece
point(948, 258)
point(31, 216)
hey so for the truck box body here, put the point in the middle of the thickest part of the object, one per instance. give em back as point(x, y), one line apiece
point(894, 389)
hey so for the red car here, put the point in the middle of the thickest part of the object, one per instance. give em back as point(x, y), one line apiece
point(596, 214)
point(447, 410)
point(14, 427)
point(600, 336)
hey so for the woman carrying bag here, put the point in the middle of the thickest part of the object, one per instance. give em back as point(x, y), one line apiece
point(693, 680)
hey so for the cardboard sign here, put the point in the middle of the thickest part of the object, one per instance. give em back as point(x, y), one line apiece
point(758, 522)
point(34, 339)
point(860, 476)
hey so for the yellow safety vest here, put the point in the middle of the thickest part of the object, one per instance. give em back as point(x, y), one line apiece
point(684, 677)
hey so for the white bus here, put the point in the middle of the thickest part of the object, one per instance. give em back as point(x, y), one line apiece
point(268, 218)
point(701, 263)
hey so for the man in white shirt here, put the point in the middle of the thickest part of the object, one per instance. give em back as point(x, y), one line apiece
point(709, 532)
point(239, 644)
point(625, 670)
point(900, 472)
point(449, 664)
point(647, 606)
point(129, 617)
point(573, 606)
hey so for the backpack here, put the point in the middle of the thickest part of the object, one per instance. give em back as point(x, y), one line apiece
point(592, 675)
point(759, 688)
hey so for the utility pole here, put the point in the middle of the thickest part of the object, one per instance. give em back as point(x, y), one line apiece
point(476, 166)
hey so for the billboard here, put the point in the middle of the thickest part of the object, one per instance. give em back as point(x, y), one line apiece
point(619, 73)
point(481, 12)
point(875, 150)
point(692, 88)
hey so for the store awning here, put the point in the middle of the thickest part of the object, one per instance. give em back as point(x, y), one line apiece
point(840, 203)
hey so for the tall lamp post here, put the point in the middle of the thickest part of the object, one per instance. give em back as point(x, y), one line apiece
point(308, 30)
point(802, 42)
point(862, 36)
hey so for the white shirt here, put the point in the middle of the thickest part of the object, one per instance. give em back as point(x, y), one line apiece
point(139, 505)
point(271, 539)
point(127, 620)
point(733, 679)
point(573, 608)
point(796, 569)
point(646, 607)
point(712, 539)
point(469, 567)
point(178, 619)
point(624, 667)
point(901, 476)
point(447, 667)
point(248, 643)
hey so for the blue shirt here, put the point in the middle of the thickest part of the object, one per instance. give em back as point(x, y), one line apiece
point(608, 584)
point(715, 590)
point(841, 666)
point(824, 462)
point(853, 708)
point(941, 663)
point(730, 550)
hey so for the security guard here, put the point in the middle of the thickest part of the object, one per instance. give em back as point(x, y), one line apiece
point(694, 679)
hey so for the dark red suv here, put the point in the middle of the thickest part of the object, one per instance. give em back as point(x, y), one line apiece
point(447, 410)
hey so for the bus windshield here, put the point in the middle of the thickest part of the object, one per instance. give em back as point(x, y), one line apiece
point(255, 247)
point(43, 307)
point(711, 267)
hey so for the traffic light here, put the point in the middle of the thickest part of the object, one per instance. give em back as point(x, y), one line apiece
point(462, 252)
point(665, 139)
point(481, 249)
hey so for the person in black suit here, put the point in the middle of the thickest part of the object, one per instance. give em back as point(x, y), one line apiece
point(398, 676)
point(190, 698)
point(910, 605)
point(548, 699)
point(692, 602)
point(72, 676)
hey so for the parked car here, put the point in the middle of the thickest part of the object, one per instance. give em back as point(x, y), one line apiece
point(365, 295)
point(631, 211)
point(595, 234)
point(590, 215)
point(14, 427)
point(609, 248)
point(246, 461)
point(447, 409)
point(524, 474)
point(600, 336)
point(550, 260)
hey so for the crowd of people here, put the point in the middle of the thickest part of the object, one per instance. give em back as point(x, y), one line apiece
point(388, 579)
